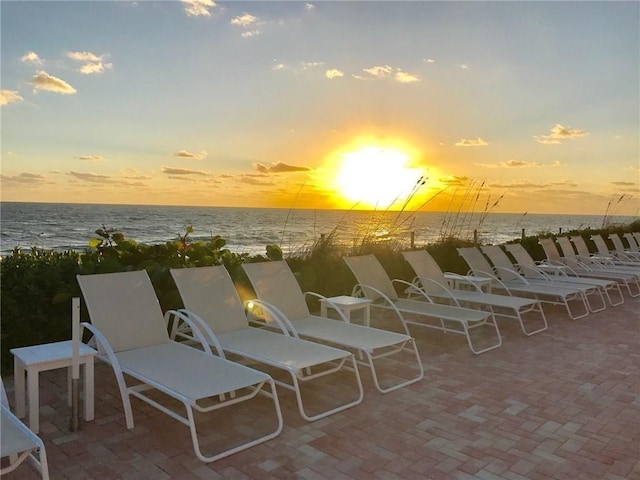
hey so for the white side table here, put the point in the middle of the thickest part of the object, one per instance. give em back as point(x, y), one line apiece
point(347, 304)
point(457, 281)
point(40, 358)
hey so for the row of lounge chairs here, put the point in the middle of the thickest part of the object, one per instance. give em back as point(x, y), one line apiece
point(236, 343)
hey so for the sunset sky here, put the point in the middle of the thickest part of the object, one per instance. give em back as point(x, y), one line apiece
point(514, 106)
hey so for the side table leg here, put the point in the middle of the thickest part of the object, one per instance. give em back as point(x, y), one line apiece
point(18, 387)
point(34, 400)
point(88, 390)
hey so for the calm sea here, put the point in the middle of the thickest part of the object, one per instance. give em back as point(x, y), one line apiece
point(71, 226)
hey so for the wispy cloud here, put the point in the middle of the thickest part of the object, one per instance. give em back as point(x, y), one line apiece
point(518, 164)
point(31, 57)
point(309, 6)
point(199, 8)
point(404, 77)
point(91, 158)
point(624, 184)
point(43, 81)
point(9, 96)
point(24, 178)
point(471, 142)
point(279, 167)
point(91, 177)
point(92, 63)
point(186, 154)
point(249, 23)
point(559, 133)
point(181, 171)
point(454, 181)
point(387, 71)
point(252, 180)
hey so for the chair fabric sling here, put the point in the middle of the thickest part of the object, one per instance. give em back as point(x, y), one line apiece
point(619, 250)
point(279, 295)
point(374, 283)
point(131, 335)
point(211, 299)
point(18, 442)
point(514, 283)
point(431, 280)
point(607, 262)
point(530, 269)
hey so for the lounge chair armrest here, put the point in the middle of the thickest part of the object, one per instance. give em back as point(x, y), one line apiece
point(103, 346)
point(518, 276)
point(274, 313)
point(536, 271)
point(341, 314)
point(412, 288)
point(386, 301)
point(200, 331)
point(444, 288)
point(466, 280)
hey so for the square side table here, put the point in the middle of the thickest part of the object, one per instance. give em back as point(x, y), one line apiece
point(347, 304)
point(40, 358)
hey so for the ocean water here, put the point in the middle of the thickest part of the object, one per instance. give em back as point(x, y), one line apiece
point(248, 230)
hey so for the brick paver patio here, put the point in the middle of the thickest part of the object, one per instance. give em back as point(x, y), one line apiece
point(564, 404)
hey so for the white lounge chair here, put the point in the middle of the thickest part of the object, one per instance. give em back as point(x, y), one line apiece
point(18, 442)
point(634, 246)
point(507, 271)
point(280, 296)
point(431, 279)
point(515, 283)
point(606, 261)
point(131, 335)
point(619, 250)
point(556, 273)
point(586, 267)
point(211, 300)
point(375, 284)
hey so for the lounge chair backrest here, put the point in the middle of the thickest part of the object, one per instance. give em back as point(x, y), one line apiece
point(550, 249)
point(565, 246)
point(520, 254)
point(369, 271)
point(125, 308)
point(581, 245)
point(209, 292)
point(426, 267)
point(275, 283)
point(617, 242)
point(600, 244)
point(476, 261)
point(631, 240)
point(500, 260)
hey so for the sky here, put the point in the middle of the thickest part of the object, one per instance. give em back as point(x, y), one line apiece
point(523, 107)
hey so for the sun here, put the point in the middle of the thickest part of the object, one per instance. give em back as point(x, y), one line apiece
point(376, 176)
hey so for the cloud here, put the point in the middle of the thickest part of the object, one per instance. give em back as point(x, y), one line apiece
point(471, 142)
point(181, 171)
point(404, 77)
point(559, 133)
point(279, 167)
point(252, 180)
point(380, 71)
point(10, 96)
point(199, 8)
point(624, 184)
point(309, 6)
point(91, 158)
point(43, 81)
point(429, 60)
point(518, 164)
point(91, 177)
point(249, 23)
point(462, 66)
point(387, 71)
point(454, 181)
point(333, 73)
point(31, 57)
point(186, 154)
point(24, 178)
point(245, 20)
point(92, 63)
